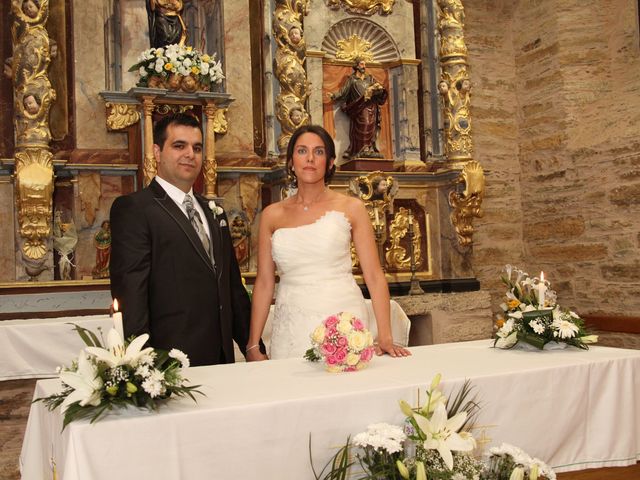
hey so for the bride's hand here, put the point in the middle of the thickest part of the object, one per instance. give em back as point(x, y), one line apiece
point(255, 355)
point(387, 346)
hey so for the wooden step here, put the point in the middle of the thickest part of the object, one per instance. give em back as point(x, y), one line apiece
point(613, 473)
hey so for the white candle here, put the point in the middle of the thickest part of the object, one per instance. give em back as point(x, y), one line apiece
point(117, 319)
point(542, 288)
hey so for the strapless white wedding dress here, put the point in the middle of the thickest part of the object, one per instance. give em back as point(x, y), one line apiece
point(314, 264)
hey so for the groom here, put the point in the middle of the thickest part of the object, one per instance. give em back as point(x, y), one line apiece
point(173, 268)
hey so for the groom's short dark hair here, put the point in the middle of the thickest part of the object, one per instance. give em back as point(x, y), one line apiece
point(160, 127)
point(329, 146)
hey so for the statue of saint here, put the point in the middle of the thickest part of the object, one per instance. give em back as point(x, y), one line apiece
point(166, 25)
point(361, 96)
point(65, 239)
point(102, 241)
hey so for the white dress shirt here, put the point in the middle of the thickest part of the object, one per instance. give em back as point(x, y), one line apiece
point(178, 195)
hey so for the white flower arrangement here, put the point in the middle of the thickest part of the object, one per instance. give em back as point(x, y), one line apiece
point(170, 66)
point(532, 315)
point(122, 373)
point(435, 443)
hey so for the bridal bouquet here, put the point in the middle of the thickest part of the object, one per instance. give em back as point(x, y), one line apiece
point(532, 315)
point(342, 342)
point(121, 374)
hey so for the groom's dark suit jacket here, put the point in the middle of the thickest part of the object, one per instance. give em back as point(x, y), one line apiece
point(166, 284)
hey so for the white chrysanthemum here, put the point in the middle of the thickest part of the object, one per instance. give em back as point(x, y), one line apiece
point(381, 436)
point(180, 356)
point(154, 384)
point(143, 370)
point(565, 329)
point(537, 326)
point(148, 358)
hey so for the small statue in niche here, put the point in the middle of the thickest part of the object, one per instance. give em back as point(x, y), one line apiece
point(362, 96)
point(102, 241)
point(240, 232)
point(166, 25)
point(65, 239)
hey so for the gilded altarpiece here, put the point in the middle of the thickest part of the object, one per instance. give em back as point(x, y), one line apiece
point(277, 85)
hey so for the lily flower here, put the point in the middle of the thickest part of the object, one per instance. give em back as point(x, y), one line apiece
point(85, 382)
point(442, 434)
point(116, 354)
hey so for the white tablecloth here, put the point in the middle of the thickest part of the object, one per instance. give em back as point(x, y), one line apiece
point(34, 348)
point(574, 409)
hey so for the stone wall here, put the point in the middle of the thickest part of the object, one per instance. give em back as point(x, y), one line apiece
point(556, 111)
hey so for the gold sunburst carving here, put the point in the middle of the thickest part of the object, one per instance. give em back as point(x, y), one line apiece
point(354, 47)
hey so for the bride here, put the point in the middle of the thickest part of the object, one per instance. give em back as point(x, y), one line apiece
point(307, 237)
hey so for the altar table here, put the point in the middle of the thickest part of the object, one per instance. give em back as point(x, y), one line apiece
point(574, 409)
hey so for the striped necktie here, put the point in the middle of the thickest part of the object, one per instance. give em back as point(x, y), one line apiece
point(196, 222)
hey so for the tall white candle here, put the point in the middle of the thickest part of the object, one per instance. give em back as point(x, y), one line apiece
point(117, 319)
point(542, 288)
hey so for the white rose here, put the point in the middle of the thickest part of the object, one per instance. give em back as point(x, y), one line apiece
point(318, 334)
point(344, 326)
point(358, 341)
point(353, 359)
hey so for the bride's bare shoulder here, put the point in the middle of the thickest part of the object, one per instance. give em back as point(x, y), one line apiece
point(352, 207)
point(275, 214)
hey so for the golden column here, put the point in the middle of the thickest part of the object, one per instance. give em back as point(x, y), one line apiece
point(149, 162)
point(455, 89)
point(209, 169)
point(289, 68)
point(32, 97)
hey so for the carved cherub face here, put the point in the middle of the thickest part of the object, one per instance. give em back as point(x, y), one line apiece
point(296, 116)
point(31, 104)
point(443, 88)
point(30, 8)
point(382, 186)
point(295, 35)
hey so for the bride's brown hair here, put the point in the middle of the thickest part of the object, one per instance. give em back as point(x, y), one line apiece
point(329, 146)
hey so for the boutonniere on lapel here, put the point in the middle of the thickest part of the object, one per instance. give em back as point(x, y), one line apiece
point(217, 210)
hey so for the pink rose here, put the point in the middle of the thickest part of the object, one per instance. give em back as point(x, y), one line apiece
point(342, 341)
point(367, 354)
point(331, 321)
point(328, 348)
point(350, 369)
point(331, 331)
point(330, 360)
point(340, 354)
point(357, 324)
